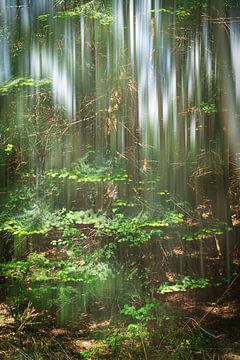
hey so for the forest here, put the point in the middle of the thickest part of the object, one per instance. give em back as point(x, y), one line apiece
point(119, 179)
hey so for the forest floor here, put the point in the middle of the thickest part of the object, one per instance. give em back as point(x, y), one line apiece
point(215, 311)
point(203, 323)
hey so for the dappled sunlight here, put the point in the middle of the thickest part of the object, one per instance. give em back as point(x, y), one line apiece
point(119, 179)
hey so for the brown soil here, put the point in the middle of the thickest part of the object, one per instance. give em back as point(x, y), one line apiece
point(215, 310)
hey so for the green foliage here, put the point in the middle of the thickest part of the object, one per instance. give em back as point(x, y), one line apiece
point(74, 266)
point(21, 82)
point(98, 350)
point(182, 9)
point(89, 247)
point(125, 230)
point(9, 149)
point(35, 266)
point(208, 108)
point(122, 203)
point(86, 217)
point(137, 230)
point(91, 10)
point(170, 217)
point(207, 232)
point(137, 329)
point(181, 12)
point(134, 334)
point(89, 272)
point(84, 171)
point(116, 339)
point(43, 17)
point(14, 270)
point(142, 314)
point(36, 218)
point(26, 211)
point(166, 11)
point(184, 285)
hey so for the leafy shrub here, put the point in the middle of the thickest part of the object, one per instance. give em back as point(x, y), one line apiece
point(185, 284)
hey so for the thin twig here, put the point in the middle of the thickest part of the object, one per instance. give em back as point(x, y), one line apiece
point(220, 298)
